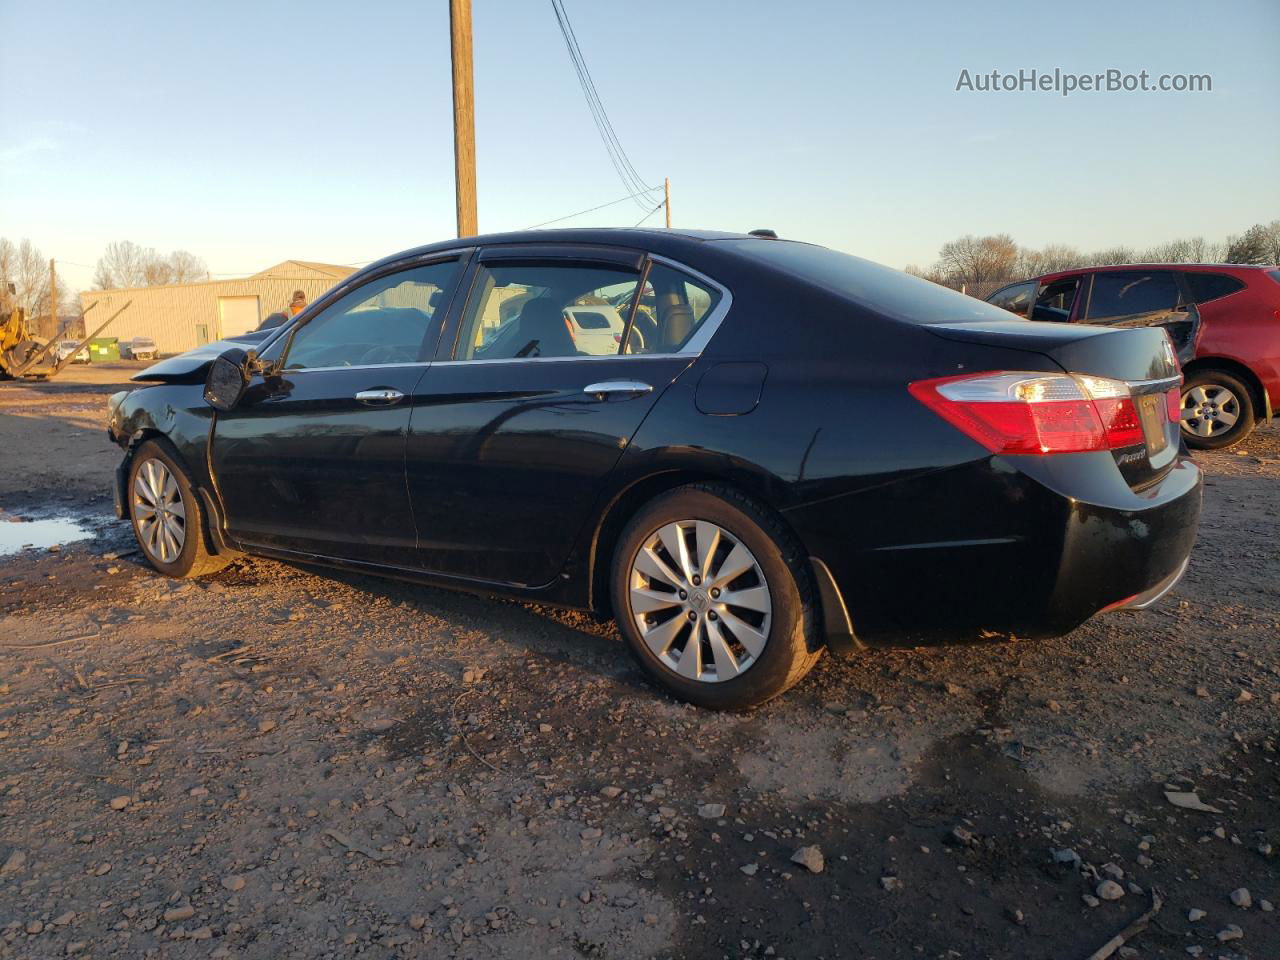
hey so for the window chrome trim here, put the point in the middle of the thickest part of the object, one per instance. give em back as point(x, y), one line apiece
point(576, 359)
point(697, 343)
point(355, 366)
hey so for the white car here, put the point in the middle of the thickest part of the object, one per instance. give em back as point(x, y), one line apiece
point(142, 348)
point(596, 329)
point(68, 347)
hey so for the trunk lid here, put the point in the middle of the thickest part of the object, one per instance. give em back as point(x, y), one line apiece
point(1142, 357)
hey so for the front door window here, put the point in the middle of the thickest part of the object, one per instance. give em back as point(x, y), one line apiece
point(385, 321)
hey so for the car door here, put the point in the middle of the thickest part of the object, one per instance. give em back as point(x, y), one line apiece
point(1146, 297)
point(515, 427)
point(312, 460)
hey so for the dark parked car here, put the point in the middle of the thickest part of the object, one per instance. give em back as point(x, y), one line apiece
point(1224, 319)
point(791, 449)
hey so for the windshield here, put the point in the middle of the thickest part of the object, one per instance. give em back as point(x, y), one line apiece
point(883, 289)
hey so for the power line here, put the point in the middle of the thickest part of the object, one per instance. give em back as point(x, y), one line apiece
point(650, 213)
point(613, 146)
point(570, 216)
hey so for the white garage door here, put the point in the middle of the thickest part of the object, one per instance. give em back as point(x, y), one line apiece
point(237, 315)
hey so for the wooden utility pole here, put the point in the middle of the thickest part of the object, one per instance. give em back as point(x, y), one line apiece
point(666, 198)
point(464, 116)
point(53, 300)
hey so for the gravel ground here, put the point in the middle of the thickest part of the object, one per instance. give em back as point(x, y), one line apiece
point(281, 762)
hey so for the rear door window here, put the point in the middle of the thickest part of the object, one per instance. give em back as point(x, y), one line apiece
point(1210, 286)
point(1055, 300)
point(672, 308)
point(1122, 295)
point(1016, 298)
point(542, 310)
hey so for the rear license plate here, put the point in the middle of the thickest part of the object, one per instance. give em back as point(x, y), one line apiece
point(1153, 413)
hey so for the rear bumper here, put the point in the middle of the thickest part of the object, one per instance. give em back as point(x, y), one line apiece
point(1001, 547)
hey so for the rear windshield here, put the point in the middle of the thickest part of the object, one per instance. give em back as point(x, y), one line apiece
point(871, 285)
point(1274, 275)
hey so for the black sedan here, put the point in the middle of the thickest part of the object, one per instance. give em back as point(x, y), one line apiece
point(747, 450)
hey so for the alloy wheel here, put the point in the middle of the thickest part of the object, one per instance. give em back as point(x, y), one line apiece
point(158, 511)
point(700, 600)
point(1209, 410)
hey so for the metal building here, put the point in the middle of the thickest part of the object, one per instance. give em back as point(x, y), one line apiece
point(184, 315)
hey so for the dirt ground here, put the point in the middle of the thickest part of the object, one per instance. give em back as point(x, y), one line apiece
point(280, 762)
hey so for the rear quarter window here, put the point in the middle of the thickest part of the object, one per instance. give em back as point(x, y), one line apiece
point(1210, 286)
point(879, 288)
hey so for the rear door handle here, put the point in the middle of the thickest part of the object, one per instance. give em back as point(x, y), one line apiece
point(630, 387)
point(384, 396)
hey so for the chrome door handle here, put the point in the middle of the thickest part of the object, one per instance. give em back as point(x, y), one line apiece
point(618, 386)
point(383, 396)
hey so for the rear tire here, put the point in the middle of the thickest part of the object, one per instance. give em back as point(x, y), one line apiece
point(729, 547)
point(166, 514)
point(1217, 410)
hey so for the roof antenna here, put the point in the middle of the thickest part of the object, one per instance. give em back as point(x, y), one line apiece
point(763, 232)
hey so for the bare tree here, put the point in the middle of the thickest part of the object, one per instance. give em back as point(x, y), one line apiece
point(1201, 250)
point(156, 270)
point(121, 265)
point(126, 264)
point(1049, 259)
point(976, 260)
point(186, 267)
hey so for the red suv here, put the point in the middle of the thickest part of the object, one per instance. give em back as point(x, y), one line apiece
point(1223, 319)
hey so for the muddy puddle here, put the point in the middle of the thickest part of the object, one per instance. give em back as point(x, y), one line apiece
point(18, 534)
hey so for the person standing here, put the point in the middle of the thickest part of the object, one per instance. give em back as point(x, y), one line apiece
point(296, 305)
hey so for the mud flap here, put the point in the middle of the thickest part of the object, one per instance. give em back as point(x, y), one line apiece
point(837, 626)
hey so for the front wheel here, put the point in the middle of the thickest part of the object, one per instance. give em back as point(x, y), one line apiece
point(167, 518)
point(714, 598)
point(1217, 410)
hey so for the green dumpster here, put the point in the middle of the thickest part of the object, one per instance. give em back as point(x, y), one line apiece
point(104, 349)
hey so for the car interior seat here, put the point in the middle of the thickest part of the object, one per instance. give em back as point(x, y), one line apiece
point(543, 320)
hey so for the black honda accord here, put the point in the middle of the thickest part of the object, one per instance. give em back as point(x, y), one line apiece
point(746, 450)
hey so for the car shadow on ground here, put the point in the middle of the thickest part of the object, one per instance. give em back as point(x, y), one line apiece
point(566, 636)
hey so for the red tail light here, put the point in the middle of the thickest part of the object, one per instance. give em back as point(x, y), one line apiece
point(1173, 403)
point(1036, 413)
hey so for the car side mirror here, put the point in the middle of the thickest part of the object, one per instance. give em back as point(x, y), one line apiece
point(227, 380)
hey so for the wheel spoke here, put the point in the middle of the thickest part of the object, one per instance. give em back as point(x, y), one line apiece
point(746, 634)
point(1190, 413)
point(672, 537)
point(178, 508)
point(752, 598)
point(648, 563)
point(646, 601)
point(726, 663)
point(690, 664)
point(1203, 428)
point(154, 480)
point(142, 490)
point(1197, 394)
point(144, 511)
point(170, 488)
point(659, 638)
point(738, 562)
point(153, 537)
point(707, 537)
point(1226, 419)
